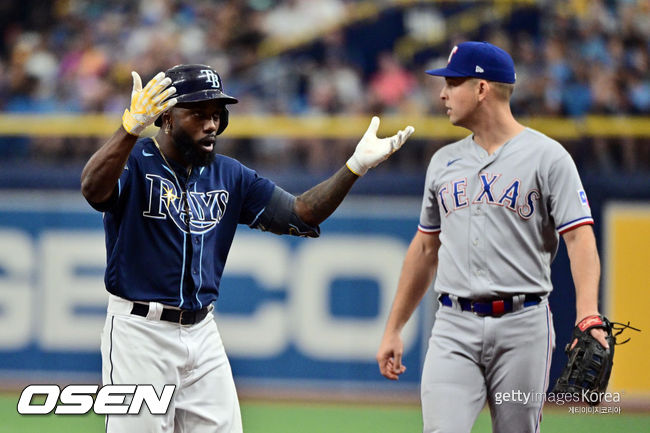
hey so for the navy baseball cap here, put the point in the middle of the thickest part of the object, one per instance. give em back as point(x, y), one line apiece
point(478, 60)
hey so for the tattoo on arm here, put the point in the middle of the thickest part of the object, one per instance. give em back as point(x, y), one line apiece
point(318, 203)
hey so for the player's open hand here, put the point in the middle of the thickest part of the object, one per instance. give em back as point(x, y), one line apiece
point(389, 356)
point(371, 151)
point(148, 103)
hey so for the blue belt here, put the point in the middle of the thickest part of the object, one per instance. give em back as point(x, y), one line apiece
point(495, 307)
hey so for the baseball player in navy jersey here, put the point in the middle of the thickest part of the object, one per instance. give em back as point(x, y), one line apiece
point(171, 207)
point(495, 205)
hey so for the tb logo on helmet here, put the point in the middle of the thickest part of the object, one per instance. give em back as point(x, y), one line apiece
point(196, 83)
point(211, 77)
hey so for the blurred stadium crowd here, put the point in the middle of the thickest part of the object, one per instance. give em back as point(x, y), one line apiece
point(304, 57)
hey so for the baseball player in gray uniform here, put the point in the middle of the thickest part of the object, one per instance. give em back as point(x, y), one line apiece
point(495, 204)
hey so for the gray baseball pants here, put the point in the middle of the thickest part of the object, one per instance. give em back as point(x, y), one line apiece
point(503, 361)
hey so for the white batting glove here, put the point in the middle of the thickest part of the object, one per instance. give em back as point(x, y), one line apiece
point(371, 151)
point(148, 103)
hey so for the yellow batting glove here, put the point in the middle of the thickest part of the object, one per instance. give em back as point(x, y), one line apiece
point(148, 103)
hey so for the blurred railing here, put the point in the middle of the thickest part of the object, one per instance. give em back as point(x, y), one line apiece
point(242, 126)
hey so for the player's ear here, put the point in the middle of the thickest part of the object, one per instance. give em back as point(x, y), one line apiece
point(482, 89)
point(165, 118)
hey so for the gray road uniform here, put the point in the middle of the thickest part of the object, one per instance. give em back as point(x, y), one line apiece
point(499, 217)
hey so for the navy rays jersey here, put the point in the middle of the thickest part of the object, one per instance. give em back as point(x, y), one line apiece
point(168, 234)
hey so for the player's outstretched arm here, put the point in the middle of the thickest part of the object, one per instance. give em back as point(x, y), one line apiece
point(417, 273)
point(103, 169)
point(315, 205)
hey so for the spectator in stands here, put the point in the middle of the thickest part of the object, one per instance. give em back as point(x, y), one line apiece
point(582, 58)
point(390, 85)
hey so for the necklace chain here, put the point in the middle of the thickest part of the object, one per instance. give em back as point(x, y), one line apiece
point(167, 162)
point(186, 203)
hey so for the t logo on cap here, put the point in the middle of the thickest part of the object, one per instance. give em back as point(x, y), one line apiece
point(453, 51)
point(478, 60)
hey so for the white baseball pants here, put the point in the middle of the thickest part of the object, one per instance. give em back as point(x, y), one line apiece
point(139, 350)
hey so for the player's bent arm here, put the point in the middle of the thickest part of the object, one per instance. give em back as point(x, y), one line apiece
point(585, 269)
point(103, 169)
point(417, 273)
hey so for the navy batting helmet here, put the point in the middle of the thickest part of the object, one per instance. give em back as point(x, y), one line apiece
point(195, 83)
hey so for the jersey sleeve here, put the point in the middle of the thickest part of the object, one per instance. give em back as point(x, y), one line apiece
point(568, 202)
point(257, 193)
point(429, 213)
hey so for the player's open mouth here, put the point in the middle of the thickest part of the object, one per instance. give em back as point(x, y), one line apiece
point(207, 144)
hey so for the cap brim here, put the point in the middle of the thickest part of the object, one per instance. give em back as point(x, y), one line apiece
point(445, 72)
point(204, 95)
